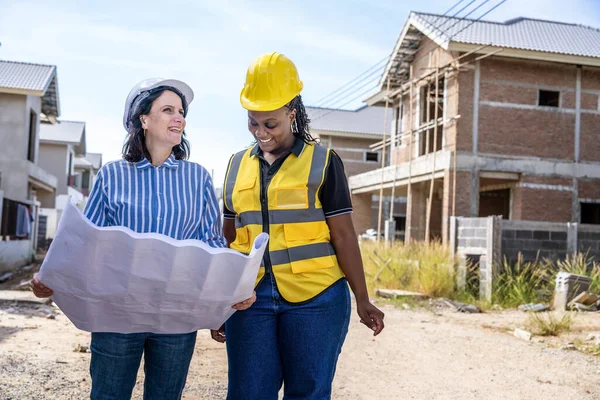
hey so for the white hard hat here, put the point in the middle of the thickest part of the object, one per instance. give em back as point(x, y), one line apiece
point(151, 83)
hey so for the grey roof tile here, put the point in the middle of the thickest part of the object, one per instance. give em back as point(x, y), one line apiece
point(519, 33)
point(63, 132)
point(26, 76)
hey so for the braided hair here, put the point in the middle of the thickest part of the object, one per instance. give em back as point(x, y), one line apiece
point(300, 127)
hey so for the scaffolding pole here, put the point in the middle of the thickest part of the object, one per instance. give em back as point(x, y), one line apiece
point(408, 230)
point(380, 208)
point(432, 184)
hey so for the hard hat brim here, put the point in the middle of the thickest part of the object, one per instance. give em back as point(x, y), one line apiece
point(183, 87)
point(266, 105)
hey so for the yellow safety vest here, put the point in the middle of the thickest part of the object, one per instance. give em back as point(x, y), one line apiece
point(303, 259)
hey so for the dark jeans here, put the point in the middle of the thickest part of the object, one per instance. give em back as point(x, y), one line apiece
point(116, 359)
point(275, 342)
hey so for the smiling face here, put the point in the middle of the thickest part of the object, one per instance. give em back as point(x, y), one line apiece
point(272, 129)
point(165, 122)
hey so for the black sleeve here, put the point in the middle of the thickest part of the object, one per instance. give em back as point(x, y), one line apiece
point(227, 214)
point(335, 193)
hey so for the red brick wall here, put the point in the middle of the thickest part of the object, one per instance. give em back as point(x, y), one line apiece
point(465, 109)
point(548, 134)
point(589, 188)
point(533, 204)
point(590, 137)
point(528, 72)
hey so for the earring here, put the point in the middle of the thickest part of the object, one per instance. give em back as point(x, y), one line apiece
point(145, 132)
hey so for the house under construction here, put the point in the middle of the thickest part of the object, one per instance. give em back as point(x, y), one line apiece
point(489, 119)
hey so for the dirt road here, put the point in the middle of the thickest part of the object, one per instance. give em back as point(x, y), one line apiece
point(421, 355)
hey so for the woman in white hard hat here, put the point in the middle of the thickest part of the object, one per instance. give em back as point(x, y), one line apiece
point(153, 189)
point(295, 190)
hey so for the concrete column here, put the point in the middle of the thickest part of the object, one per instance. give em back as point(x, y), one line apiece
point(474, 209)
point(572, 233)
point(488, 265)
point(446, 206)
point(415, 219)
point(575, 207)
point(1, 205)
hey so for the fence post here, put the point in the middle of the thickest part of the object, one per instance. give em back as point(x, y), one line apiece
point(572, 230)
point(493, 257)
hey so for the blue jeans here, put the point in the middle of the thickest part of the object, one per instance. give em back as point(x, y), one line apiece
point(116, 359)
point(275, 342)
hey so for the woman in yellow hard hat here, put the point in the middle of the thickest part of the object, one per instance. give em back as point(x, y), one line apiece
point(295, 190)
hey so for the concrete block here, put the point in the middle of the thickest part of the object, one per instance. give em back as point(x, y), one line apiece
point(508, 234)
point(524, 234)
point(479, 243)
point(480, 222)
point(529, 255)
point(583, 235)
point(541, 235)
point(462, 242)
point(558, 236)
point(551, 245)
point(466, 232)
point(480, 232)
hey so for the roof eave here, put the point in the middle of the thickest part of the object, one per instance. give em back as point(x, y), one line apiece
point(530, 54)
point(412, 21)
point(58, 142)
point(377, 99)
point(23, 92)
point(346, 134)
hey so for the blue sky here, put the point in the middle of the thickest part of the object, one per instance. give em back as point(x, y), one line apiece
point(102, 48)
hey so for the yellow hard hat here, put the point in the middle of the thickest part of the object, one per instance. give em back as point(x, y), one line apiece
point(272, 81)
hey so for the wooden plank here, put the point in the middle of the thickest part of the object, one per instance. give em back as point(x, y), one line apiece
point(394, 294)
point(20, 296)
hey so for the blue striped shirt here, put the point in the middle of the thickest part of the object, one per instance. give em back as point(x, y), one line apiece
point(176, 199)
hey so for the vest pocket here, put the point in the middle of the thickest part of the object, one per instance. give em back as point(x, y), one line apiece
point(242, 240)
point(306, 252)
point(291, 198)
point(243, 195)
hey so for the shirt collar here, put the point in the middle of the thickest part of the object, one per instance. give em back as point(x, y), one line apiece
point(296, 149)
point(170, 163)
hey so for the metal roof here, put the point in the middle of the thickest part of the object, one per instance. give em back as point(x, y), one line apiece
point(64, 132)
point(365, 120)
point(538, 37)
point(35, 79)
point(95, 159)
point(519, 33)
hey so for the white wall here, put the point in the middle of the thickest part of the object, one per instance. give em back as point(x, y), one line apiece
point(51, 222)
point(54, 159)
point(15, 254)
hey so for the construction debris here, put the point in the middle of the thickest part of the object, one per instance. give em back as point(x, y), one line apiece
point(568, 286)
point(6, 276)
point(533, 307)
point(585, 301)
point(395, 294)
point(457, 306)
point(522, 334)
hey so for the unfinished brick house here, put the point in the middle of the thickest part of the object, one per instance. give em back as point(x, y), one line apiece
point(351, 133)
point(490, 119)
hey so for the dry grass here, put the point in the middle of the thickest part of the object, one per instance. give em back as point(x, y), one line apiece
point(419, 267)
point(550, 324)
point(431, 270)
